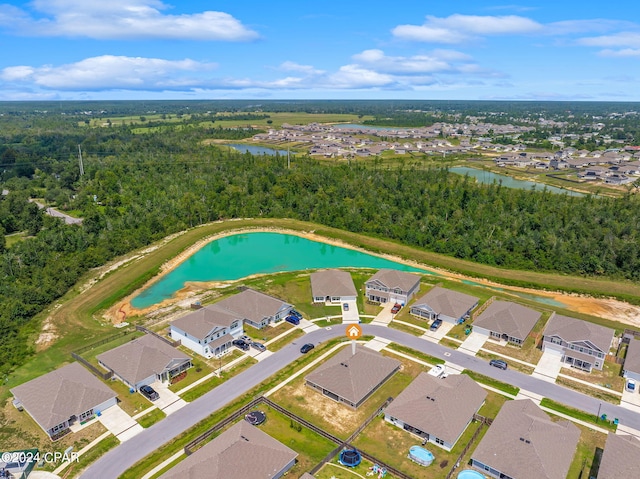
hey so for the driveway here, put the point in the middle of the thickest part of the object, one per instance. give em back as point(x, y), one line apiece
point(549, 366)
point(119, 423)
point(384, 317)
point(307, 326)
point(168, 402)
point(439, 333)
point(473, 343)
point(351, 315)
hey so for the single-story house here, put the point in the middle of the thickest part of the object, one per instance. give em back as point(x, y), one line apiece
point(58, 399)
point(144, 360)
point(208, 331)
point(583, 345)
point(437, 410)
point(351, 378)
point(255, 308)
point(241, 452)
point(332, 286)
point(392, 286)
point(524, 443)
point(508, 321)
point(621, 458)
point(441, 303)
point(631, 366)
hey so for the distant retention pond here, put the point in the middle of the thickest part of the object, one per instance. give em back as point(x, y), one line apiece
point(238, 256)
point(488, 177)
point(257, 150)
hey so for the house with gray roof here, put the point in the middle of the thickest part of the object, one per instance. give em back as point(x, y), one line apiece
point(255, 308)
point(351, 378)
point(504, 320)
point(392, 286)
point(631, 366)
point(144, 361)
point(438, 410)
point(581, 344)
point(523, 442)
point(63, 397)
point(332, 286)
point(621, 458)
point(241, 452)
point(442, 303)
point(208, 331)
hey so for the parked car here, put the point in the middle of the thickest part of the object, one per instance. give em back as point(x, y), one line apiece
point(396, 307)
point(437, 371)
point(435, 325)
point(631, 385)
point(295, 313)
point(258, 346)
point(148, 392)
point(498, 363)
point(240, 343)
point(246, 339)
point(292, 319)
point(306, 348)
point(345, 306)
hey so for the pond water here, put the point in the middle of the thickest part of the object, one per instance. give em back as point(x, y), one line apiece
point(238, 256)
point(256, 150)
point(488, 177)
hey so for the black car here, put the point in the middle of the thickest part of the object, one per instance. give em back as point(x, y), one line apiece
point(258, 346)
point(498, 363)
point(149, 393)
point(306, 348)
point(240, 343)
point(435, 325)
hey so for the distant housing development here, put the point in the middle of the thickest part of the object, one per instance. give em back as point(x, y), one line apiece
point(392, 286)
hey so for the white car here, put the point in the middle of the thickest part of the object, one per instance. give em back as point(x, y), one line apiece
point(437, 371)
point(631, 385)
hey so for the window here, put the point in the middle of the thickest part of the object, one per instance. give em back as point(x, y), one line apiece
point(556, 340)
point(439, 441)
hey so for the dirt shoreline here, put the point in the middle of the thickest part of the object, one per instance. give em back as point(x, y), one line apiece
point(606, 308)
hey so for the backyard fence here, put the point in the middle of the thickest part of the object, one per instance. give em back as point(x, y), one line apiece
point(174, 344)
point(483, 421)
point(106, 340)
point(101, 374)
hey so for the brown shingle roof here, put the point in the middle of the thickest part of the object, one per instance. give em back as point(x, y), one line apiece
point(201, 322)
point(632, 361)
point(241, 452)
point(141, 358)
point(332, 282)
point(54, 397)
point(509, 318)
point(352, 377)
point(571, 329)
point(253, 305)
point(392, 278)
point(447, 302)
point(440, 407)
point(621, 458)
point(523, 442)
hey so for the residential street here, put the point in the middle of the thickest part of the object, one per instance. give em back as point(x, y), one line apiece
point(118, 460)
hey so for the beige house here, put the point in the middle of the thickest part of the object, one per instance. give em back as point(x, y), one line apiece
point(445, 304)
point(621, 458)
point(392, 286)
point(504, 320)
point(255, 308)
point(332, 286)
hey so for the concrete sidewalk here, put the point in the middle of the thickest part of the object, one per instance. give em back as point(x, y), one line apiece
point(473, 343)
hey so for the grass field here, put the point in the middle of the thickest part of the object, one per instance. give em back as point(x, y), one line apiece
point(581, 415)
point(480, 378)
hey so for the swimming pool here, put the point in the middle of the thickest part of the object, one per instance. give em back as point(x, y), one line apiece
point(421, 456)
point(470, 474)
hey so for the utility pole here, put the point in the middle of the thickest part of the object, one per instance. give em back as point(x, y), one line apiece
point(80, 161)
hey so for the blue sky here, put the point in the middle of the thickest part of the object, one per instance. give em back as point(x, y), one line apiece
point(350, 49)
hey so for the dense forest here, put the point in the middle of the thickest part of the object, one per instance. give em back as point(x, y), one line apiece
point(139, 188)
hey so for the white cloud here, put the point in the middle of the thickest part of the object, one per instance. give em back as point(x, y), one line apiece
point(354, 76)
point(460, 28)
point(296, 67)
point(622, 39)
point(110, 72)
point(121, 19)
point(625, 52)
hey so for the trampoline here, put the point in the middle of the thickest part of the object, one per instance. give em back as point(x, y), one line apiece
point(256, 418)
point(420, 455)
point(470, 474)
point(350, 457)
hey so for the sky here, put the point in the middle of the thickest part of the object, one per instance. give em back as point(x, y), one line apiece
point(301, 49)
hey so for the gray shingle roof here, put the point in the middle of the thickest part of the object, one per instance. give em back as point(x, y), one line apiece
point(141, 358)
point(352, 377)
point(54, 397)
point(447, 302)
point(253, 305)
point(201, 322)
point(509, 318)
point(392, 278)
point(571, 329)
point(241, 452)
point(440, 407)
point(523, 442)
point(621, 458)
point(632, 360)
point(332, 282)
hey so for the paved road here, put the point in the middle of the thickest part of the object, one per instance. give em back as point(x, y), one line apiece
point(118, 460)
point(70, 220)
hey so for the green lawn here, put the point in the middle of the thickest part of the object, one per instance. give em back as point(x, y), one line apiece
point(581, 415)
point(289, 338)
point(590, 440)
point(211, 383)
point(416, 354)
point(268, 332)
point(480, 378)
point(151, 418)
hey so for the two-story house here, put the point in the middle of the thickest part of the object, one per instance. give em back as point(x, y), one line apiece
point(392, 286)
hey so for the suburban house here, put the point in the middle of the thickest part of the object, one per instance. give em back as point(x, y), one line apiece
point(631, 367)
point(507, 321)
point(208, 331)
point(621, 457)
point(524, 443)
point(581, 344)
point(351, 378)
point(63, 397)
point(438, 410)
point(332, 286)
point(144, 360)
point(441, 303)
point(241, 452)
point(392, 286)
point(256, 309)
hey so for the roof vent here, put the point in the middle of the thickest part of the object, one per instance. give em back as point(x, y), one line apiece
point(244, 438)
point(345, 365)
point(522, 439)
point(527, 441)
